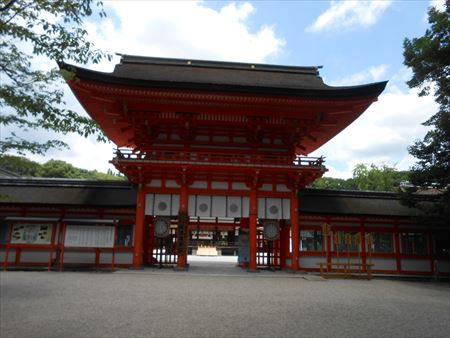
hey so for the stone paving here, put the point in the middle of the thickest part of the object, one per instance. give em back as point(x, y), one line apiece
point(216, 299)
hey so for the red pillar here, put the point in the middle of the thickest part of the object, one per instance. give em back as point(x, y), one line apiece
point(252, 229)
point(363, 244)
point(295, 231)
point(150, 241)
point(138, 250)
point(397, 248)
point(184, 200)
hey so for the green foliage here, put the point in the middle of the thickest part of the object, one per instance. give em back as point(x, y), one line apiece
point(30, 98)
point(19, 165)
point(53, 169)
point(383, 178)
point(429, 59)
point(429, 56)
point(332, 183)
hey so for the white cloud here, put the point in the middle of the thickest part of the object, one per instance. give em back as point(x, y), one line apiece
point(349, 14)
point(438, 4)
point(185, 29)
point(381, 135)
point(373, 73)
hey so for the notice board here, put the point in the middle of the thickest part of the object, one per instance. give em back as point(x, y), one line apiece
point(89, 236)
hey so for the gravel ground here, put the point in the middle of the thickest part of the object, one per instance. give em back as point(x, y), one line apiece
point(217, 299)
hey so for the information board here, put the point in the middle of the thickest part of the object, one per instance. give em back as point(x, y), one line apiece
point(89, 236)
point(31, 233)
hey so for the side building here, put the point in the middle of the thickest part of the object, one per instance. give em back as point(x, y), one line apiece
point(61, 223)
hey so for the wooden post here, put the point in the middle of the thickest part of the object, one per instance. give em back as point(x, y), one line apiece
point(284, 243)
point(138, 249)
point(52, 246)
point(295, 231)
point(63, 245)
point(150, 241)
point(252, 229)
point(363, 244)
point(397, 247)
point(182, 237)
point(8, 245)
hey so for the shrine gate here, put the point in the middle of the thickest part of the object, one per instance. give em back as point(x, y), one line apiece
point(217, 144)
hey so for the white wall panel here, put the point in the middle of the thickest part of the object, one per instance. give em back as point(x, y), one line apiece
point(149, 204)
point(192, 205)
point(282, 188)
point(261, 208)
point(162, 205)
point(415, 265)
point(11, 255)
point(239, 186)
point(35, 256)
point(219, 185)
point(245, 206)
point(444, 266)
point(273, 206)
point(120, 258)
point(310, 262)
point(286, 208)
point(199, 185)
point(219, 206)
point(204, 206)
point(175, 207)
point(383, 263)
point(234, 206)
point(155, 183)
point(79, 257)
point(172, 184)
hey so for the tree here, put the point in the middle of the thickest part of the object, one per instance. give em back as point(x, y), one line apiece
point(330, 183)
point(429, 59)
point(19, 165)
point(52, 168)
point(32, 98)
point(383, 178)
point(375, 178)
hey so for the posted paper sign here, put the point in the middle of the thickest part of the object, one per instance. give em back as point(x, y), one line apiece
point(31, 234)
point(89, 236)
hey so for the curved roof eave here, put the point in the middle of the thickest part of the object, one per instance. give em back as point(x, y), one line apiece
point(318, 90)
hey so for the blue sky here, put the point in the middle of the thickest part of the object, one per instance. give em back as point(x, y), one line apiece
point(355, 41)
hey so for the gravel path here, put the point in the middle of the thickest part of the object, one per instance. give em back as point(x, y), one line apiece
point(208, 302)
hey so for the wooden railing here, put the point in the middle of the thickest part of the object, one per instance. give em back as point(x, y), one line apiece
point(227, 158)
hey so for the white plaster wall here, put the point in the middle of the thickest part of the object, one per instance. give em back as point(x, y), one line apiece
point(219, 185)
point(415, 265)
point(383, 263)
point(11, 255)
point(444, 266)
point(79, 257)
point(35, 256)
point(120, 258)
point(239, 186)
point(311, 261)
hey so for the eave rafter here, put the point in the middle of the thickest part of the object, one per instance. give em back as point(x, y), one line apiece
point(137, 116)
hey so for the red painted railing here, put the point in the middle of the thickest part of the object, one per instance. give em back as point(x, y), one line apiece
point(227, 158)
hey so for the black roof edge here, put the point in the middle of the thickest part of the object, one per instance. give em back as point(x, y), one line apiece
point(63, 182)
point(125, 58)
point(350, 193)
point(365, 90)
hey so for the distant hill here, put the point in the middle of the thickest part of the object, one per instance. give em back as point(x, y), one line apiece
point(11, 166)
